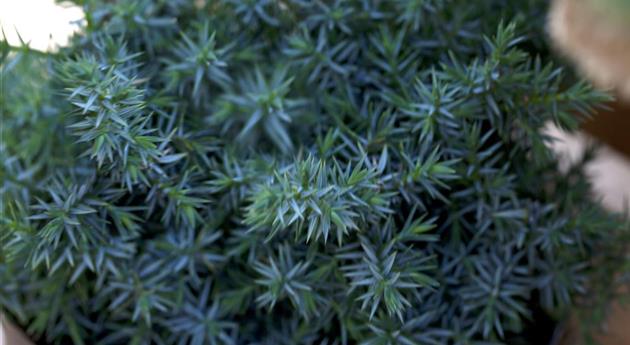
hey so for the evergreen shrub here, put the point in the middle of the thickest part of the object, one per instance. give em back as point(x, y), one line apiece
point(297, 172)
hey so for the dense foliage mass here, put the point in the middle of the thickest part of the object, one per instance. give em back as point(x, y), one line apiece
point(295, 172)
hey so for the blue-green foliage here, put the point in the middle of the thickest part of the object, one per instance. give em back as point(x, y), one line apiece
point(296, 172)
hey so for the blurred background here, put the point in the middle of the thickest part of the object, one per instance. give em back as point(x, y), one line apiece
point(45, 25)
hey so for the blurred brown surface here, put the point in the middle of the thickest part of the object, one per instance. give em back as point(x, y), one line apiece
point(11, 335)
point(617, 330)
point(614, 332)
point(612, 127)
point(595, 40)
